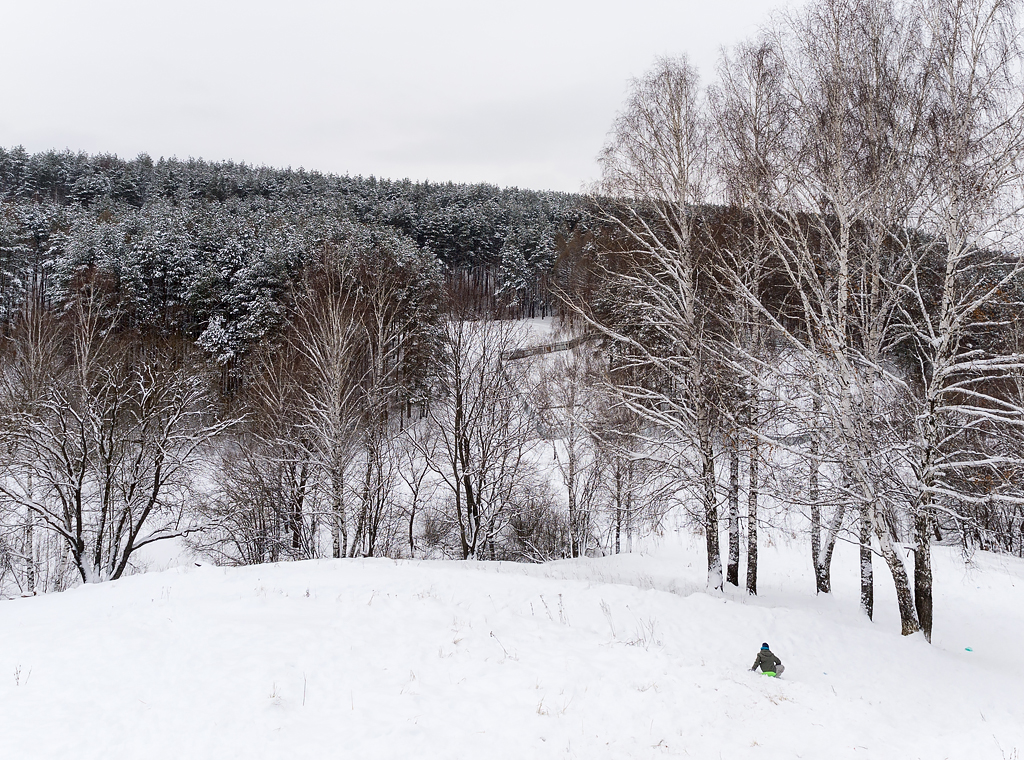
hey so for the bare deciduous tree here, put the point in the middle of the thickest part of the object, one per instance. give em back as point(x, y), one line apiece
point(656, 170)
point(751, 116)
point(265, 506)
point(104, 456)
point(363, 325)
point(563, 404)
point(484, 429)
point(964, 279)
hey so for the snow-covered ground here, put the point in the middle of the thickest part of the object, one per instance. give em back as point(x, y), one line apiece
point(620, 657)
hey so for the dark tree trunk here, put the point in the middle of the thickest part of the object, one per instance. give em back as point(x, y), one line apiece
point(711, 513)
point(752, 494)
point(733, 570)
point(339, 527)
point(867, 581)
point(923, 573)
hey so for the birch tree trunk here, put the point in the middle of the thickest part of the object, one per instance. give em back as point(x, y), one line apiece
point(752, 496)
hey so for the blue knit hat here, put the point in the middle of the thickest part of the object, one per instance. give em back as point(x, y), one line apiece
point(764, 645)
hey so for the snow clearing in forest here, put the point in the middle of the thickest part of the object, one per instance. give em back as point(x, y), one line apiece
point(623, 656)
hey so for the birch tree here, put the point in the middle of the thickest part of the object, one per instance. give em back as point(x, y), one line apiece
point(751, 118)
point(965, 279)
point(656, 172)
point(325, 333)
point(364, 326)
point(33, 352)
point(854, 119)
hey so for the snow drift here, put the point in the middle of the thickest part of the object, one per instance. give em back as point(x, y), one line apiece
point(623, 656)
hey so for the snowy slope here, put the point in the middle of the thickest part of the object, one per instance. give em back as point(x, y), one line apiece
point(604, 658)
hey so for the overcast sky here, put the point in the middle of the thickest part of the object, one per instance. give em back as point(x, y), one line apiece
point(512, 93)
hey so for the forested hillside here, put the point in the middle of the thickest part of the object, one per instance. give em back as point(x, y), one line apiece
point(198, 349)
point(792, 306)
point(186, 242)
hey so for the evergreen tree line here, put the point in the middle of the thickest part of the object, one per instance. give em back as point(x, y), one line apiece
point(190, 241)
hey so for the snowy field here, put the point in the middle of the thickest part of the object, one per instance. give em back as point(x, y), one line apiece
point(620, 657)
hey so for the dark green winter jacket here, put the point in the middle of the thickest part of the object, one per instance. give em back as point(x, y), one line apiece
point(768, 662)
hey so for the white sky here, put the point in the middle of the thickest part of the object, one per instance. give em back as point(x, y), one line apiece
point(512, 93)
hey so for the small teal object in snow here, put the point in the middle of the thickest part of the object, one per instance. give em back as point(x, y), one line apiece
point(968, 649)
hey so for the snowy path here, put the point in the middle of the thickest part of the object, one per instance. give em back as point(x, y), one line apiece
point(612, 658)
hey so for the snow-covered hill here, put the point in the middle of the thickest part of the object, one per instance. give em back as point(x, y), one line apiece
point(604, 658)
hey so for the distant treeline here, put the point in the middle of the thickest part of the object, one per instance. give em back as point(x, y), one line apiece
point(184, 243)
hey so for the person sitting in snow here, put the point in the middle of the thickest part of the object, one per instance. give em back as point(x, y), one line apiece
point(769, 663)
